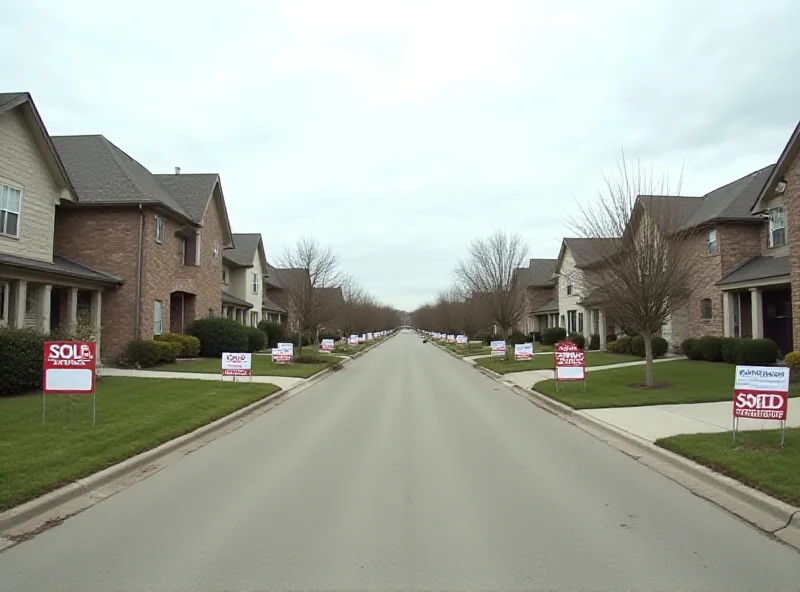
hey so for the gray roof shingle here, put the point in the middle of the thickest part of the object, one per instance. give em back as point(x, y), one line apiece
point(673, 211)
point(8, 97)
point(586, 251)
point(270, 305)
point(549, 306)
point(228, 298)
point(192, 191)
point(757, 268)
point(540, 271)
point(245, 251)
point(103, 174)
point(60, 266)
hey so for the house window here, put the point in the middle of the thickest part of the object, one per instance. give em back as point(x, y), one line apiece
point(712, 241)
point(182, 249)
point(211, 312)
point(158, 318)
point(254, 319)
point(580, 322)
point(197, 248)
point(777, 227)
point(10, 202)
point(255, 283)
point(596, 322)
point(706, 311)
point(224, 276)
point(737, 315)
point(569, 285)
point(216, 249)
point(563, 324)
point(571, 321)
point(160, 227)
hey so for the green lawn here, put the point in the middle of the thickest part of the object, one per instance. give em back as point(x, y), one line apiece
point(262, 366)
point(545, 362)
point(133, 415)
point(683, 381)
point(464, 351)
point(756, 460)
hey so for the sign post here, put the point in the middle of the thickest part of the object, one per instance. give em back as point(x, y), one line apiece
point(237, 364)
point(569, 363)
point(761, 392)
point(70, 368)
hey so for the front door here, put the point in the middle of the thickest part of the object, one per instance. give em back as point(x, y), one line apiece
point(778, 318)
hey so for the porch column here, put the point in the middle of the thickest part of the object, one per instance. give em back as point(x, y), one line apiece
point(20, 297)
point(601, 317)
point(43, 309)
point(757, 313)
point(97, 316)
point(727, 314)
point(72, 308)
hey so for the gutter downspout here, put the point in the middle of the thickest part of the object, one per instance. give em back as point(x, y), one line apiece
point(140, 274)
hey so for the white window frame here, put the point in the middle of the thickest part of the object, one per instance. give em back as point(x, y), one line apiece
point(777, 221)
point(197, 248)
point(712, 242)
point(570, 285)
point(161, 229)
point(254, 285)
point(5, 190)
point(710, 308)
point(158, 317)
point(253, 318)
point(224, 276)
point(182, 249)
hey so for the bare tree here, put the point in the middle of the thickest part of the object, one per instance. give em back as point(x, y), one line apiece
point(311, 278)
point(648, 272)
point(490, 276)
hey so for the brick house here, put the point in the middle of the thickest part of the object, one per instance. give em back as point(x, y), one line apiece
point(541, 295)
point(163, 235)
point(38, 288)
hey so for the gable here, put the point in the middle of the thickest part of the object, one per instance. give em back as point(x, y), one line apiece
point(787, 158)
point(218, 200)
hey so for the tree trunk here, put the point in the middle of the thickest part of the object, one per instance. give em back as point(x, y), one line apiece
point(648, 356)
point(509, 350)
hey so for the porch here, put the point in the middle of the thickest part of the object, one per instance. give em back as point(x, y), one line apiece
point(545, 316)
point(236, 309)
point(272, 311)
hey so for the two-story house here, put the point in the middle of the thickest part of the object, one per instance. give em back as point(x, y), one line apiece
point(243, 277)
point(541, 297)
point(39, 289)
point(163, 235)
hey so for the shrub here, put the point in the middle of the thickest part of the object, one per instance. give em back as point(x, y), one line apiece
point(757, 352)
point(144, 353)
point(218, 335)
point(658, 344)
point(792, 360)
point(190, 345)
point(578, 340)
point(256, 339)
point(553, 335)
point(729, 349)
point(690, 349)
point(517, 337)
point(594, 341)
point(275, 332)
point(611, 337)
point(710, 348)
point(168, 351)
point(622, 345)
point(21, 360)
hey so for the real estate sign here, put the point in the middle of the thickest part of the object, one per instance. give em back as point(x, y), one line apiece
point(523, 351)
point(570, 362)
point(326, 345)
point(761, 392)
point(237, 364)
point(498, 348)
point(352, 340)
point(69, 368)
point(283, 354)
point(462, 339)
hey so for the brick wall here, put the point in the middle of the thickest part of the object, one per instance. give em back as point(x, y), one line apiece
point(707, 271)
point(106, 239)
point(792, 199)
point(738, 243)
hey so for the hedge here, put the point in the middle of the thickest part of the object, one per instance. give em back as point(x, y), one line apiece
point(578, 340)
point(594, 341)
point(745, 352)
point(275, 332)
point(189, 344)
point(621, 345)
point(553, 335)
point(21, 360)
point(256, 339)
point(145, 353)
point(218, 335)
point(659, 345)
point(517, 337)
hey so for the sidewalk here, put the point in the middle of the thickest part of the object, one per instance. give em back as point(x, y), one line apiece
point(282, 382)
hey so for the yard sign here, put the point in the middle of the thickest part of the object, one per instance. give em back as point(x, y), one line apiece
point(523, 351)
point(462, 340)
point(570, 362)
point(237, 364)
point(327, 345)
point(352, 340)
point(761, 392)
point(283, 354)
point(70, 368)
point(498, 348)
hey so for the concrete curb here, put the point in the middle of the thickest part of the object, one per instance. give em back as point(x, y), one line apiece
point(782, 513)
point(29, 510)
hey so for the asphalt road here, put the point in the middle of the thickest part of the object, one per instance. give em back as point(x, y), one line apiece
point(408, 470)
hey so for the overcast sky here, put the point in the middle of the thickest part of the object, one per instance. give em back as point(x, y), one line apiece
point(398, 131)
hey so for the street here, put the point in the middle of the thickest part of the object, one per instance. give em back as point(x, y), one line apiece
point(406, 470)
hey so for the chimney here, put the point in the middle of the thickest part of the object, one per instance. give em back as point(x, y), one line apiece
point(177, 170)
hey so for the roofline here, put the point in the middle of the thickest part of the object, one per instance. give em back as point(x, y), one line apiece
point(228, 229)
point(110, 281)
point(135, 204)
point(26, 98)
point(780, 167)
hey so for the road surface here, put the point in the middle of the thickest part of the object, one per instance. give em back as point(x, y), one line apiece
point(408, 470)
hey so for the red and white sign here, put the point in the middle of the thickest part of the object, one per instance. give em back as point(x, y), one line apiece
point(761, 392)
point(352, 340)
point(523, 351)
point(237, 364)
point(498, 348)
point(326, 345)
point(69, 367)
point(570, 362)
point(283, 354)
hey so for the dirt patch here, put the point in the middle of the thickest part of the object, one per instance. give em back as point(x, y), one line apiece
point(656, 386)
point(337, 366)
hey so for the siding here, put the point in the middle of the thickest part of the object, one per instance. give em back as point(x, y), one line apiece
point(22, 166)
point(565, 302)
point(255, 299)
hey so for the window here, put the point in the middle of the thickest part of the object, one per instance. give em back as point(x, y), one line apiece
point(10, 202)
point(580, 322)
point(569, 285)
point(216, 249)
point(197, 248)
point(563, 324)
point(712, 241)
point(706, 310)
point(224, 276)
point(158, 318)
point(255, 283)
point(160, 227)
point(596, 322)
point(777, 227)
point(254, 319)
point(211, 312)
point(571, 321)
point(182, 249)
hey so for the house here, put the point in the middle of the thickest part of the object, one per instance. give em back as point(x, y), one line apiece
point(579, 311)
point(38, 288)
point(541, 295)
point(162, 234)
point(243, 271)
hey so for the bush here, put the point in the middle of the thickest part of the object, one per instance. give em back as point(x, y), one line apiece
point(256, 339)
point(710, 348)
point(594, 341)
point(578, 340)
point(622, 345)
point(757, 352)
point(690, 349)
point(189, 344)
point(168, 351)
point(611, 337)
point(729, 349)
point(144, 353)
point(659, 345)
point(275, 332)
point(517, 337)
point(218, 335)
point(21, 361)
point(553, 335)
point(792, 360)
